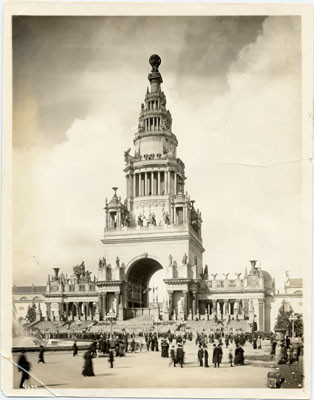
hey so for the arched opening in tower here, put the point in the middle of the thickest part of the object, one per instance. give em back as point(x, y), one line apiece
point(144, 283)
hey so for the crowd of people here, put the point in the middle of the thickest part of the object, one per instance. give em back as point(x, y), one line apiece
point(285, 351)
point(210, 348)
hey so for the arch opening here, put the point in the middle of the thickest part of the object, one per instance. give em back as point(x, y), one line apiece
point(139, 278)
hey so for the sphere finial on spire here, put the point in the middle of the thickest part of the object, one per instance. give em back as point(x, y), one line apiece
point(155, 61)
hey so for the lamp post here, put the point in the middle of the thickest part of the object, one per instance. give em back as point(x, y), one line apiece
point(111, 316)
point(292, 319)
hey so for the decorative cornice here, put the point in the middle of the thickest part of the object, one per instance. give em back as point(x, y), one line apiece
point(109, 283)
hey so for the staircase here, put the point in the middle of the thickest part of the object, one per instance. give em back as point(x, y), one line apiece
point(239, 325)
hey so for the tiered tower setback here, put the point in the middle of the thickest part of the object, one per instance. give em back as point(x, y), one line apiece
point(157, 225)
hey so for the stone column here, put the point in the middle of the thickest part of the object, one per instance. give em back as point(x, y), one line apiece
point(194, 308)
point(104, 304)
point(127, 177)
point(47, 311)
point(145, 185)
point(99, 314)
point(158, 183)
point(261, 315)
point(84, 311)
point(67, 311)
point(185, 304)
point(169, 182)
point(139, 184)
point(152, 183)
point(166, 182)
point(117, 295)
point(131, 177)
point(170, 294)
point(175, 183)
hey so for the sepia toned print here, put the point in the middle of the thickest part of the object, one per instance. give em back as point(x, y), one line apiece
point(160, 229)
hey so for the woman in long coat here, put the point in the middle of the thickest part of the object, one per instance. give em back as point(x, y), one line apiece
point(88, 366)
point(238, 356)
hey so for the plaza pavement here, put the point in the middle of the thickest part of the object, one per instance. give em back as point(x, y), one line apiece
point(147, 370)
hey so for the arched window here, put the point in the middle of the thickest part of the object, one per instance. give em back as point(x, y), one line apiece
point(36, 298)
point(23, 298)
point(298, 292)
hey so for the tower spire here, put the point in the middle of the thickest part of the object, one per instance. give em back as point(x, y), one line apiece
point(154, 77)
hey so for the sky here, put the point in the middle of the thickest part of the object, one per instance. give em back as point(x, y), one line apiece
point(233, 86)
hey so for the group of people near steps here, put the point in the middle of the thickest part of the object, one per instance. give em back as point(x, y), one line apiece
point(203, 355)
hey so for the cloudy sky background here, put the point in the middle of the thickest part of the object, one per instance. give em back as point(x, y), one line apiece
point(233, 86)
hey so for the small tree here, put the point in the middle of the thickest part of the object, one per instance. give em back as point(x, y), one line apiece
point(31, 313)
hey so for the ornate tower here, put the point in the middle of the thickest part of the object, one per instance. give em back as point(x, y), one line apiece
point(157, 225)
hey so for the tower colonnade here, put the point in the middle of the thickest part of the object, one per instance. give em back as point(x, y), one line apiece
point(152, 183)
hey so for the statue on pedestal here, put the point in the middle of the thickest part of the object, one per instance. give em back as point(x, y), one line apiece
point(114, 305)
point(170, 260)
point(180, 306)
point(185, 259)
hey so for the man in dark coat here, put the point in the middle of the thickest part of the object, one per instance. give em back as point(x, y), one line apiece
point(41, 355)
point(23, 366)
point(220, 353)
point(200, 355)
point(75, 349)
point(180, 355)
point(111, 358)
point(216, 354)
point(88, 365)
point(205, 357)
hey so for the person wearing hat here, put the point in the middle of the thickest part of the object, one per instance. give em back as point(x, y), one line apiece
point(200, 355)
point(41, 354)
point(205, 357)
point(216, 356)
point(88, 365)
point(180, 355)
point(24, 366)
point(173, 356)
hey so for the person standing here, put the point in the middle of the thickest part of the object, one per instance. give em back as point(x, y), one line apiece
point(239, 356)
point(230, 357)
point(220, 353)
point(88, 365)
point(200, 355)
point(23, 366)
point(259, 341)
point(180, 355)
point(111, 358)
point(75, 349)
point(273, 349)
point(216, 356)
point(173, 356)
point(133, 346)
point(254, 341)
point(206, 357)
point(41, 355)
